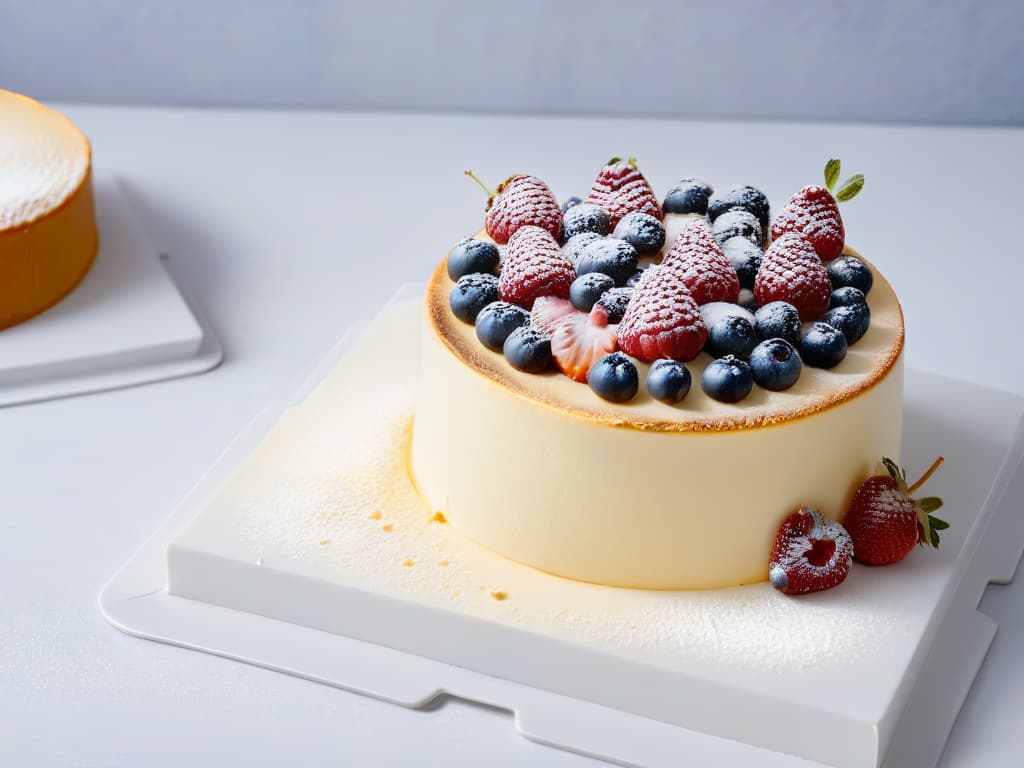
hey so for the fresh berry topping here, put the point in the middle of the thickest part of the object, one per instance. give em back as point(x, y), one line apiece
point(696, 260)
point(470, 255)
point(548, 312)
point(885, 522)
point(534, 266)
point(579, 340)
point(528, 349)
point(745, 258)
point(775, 365)
point(730, 335)
point(609, 255)
point(738, 222)
point(574, 245)
point(471, 294)
point(813, 213)
point(662, 320)
point(615, 301)
point(747, 300)
point(569, 203)
point(846, 296)
point(588, 288)
point(620, 188)
point(747, 198)
point(641, 230)
point(586, 217)
point(791, 271)
point(810, 554)
point(520, 201)
point(778, 320)
point(668, 381)
point(716, 310)
point(496, 321)
point(849, 270)
point(727, 379)
point(614, 378)
point(853, 320)
point(688, 196)
point(823, 346)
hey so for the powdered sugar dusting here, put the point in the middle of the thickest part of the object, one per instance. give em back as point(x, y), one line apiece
point(700, 264)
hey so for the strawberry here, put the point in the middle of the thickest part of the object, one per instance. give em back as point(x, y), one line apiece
point(534, 266)
point(791, 271)
point(814, 213)
point(810, 554)
point(580, 339)
point(699, 262)
point(548, 311)
point(885, 522)
point(620, 188)
point(662, 319)
point(520, 201)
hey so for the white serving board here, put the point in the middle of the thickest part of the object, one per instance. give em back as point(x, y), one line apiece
point(126, 323)
point(573, 695)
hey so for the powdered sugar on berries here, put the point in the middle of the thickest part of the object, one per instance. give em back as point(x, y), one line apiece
point(697, 261)
point(814, 213)
point(534, 266)
point(662, 319)
point(519, 202)
point(620, 188)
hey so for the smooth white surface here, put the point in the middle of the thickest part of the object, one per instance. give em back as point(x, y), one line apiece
point(281, 226)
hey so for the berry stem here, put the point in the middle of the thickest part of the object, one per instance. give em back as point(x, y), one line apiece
point(926, 475)
point(475, 178)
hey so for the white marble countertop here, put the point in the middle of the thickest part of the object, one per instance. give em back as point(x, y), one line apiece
point(287, 226)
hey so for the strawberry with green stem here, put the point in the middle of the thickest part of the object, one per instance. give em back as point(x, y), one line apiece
point(814, 212)
point(520, 201)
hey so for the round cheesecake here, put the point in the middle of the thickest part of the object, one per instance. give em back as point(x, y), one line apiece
point(48, 236)
point(642, 494)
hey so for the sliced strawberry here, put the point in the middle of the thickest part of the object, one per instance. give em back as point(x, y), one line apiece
point(620, 188)
point(662, 319)
point(791, 271)
point(699, 262)
point(549, 311)
point(810, 554)
point(520, 201)
point(534, 266)
point(581, 339)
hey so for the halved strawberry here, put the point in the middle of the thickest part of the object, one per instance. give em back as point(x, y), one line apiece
point(549, 311)
point(580, 339)
point(810, 554)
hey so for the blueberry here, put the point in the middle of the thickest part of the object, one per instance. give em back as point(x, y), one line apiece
point(668, 381)
point(574, 200)
point(846, 296)
point(471, 294)
point(745, 257)
point(727, 379)
point(778, 320)
point(614, 302)
point(714, 311)
point(730, 335)
point(614, 377)
point(747, 198)
point(496, 321)
point(633, 280)
point(823, 346)
point(471, 255)
point(587, 289)
point(775, 364)
point(747, 300)
point(853, 320)
point(641, 230)
point(585, 217)
point(574, 245)
point(738, 222)
point(528, 349)
point(849, 270)
point(688, 196)
point(615, 258)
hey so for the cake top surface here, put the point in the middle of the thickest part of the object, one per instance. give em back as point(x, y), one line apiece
point(44, 159)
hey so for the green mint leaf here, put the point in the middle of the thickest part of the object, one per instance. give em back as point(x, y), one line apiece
point(937, 524)
point(929, 503)
point(831, 173)
point(935, 538)
point(850, 188)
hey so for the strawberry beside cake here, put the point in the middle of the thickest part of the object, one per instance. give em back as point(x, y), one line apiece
point(649, 392)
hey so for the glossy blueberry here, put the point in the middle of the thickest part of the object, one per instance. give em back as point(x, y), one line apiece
point(634, 279)
point(730, 335)
point(668, 381)
point(775, 364)
point(849, 270)
point(574, 245)
point(688, 196)
point(470, 255)
point(569, 203)
point(778, 320)
point(585, 217)
point(823, 346)
point(615, 258)
point(738, 222)
point(496, 321)
point(747, 198)
point(853, 320)
point(727, 379)
point(745, 257)
point(747, 300)
point(587, 289)
point(471, 294)
point(614, 378)
point(846, 296)
point(641, 230)
point(528, 349)
point(614, 302)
